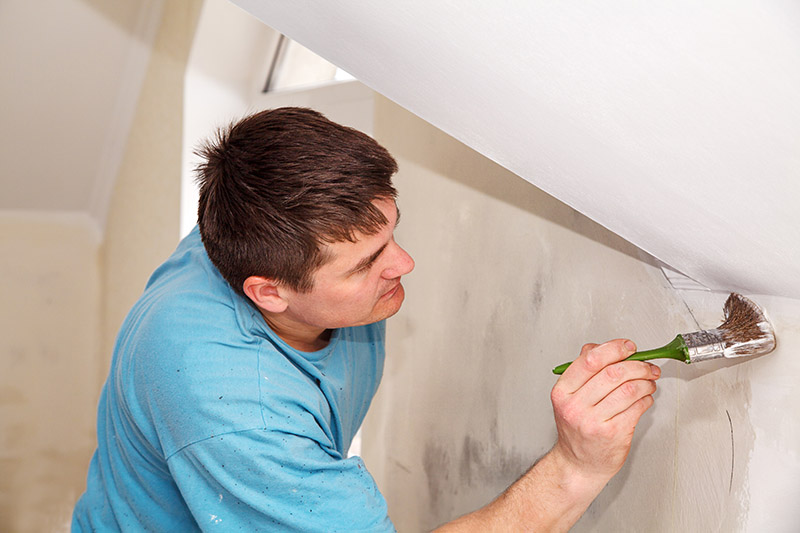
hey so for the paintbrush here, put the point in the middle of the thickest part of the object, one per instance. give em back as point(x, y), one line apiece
point(745, 331)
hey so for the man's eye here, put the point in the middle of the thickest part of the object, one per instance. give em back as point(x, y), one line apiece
point(365, 268)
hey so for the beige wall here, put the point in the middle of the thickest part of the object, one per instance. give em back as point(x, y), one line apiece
point(64, 295)
point(509, 283)
point(49, 351)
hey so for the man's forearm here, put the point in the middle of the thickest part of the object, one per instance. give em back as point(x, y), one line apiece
point(551, 496)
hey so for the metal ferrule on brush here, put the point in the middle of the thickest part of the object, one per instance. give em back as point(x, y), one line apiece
point(704, 345)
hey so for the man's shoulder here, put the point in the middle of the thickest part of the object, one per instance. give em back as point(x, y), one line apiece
point(189, 367)
point(185, 327)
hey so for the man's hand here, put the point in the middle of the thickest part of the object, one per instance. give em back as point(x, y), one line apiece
point(597, 403)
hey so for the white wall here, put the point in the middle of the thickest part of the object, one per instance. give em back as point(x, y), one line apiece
point(50, 289)
point(511, 282)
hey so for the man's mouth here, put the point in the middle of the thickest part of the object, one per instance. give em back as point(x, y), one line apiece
point(390, 292)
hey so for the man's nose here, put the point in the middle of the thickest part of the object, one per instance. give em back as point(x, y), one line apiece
point(401, 264)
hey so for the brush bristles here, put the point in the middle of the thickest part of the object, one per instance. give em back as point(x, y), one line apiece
point(746, 329)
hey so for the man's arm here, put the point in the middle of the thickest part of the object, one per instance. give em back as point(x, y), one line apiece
point(597, 403)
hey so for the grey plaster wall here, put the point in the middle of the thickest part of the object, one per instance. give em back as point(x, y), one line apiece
point(510, 282)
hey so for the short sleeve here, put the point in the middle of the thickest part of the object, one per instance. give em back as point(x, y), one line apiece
point(262, 480)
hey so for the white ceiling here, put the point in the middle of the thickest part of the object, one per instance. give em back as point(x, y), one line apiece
point(72, 71)
point(676, 124)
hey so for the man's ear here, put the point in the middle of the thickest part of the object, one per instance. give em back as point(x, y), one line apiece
point(265, 293)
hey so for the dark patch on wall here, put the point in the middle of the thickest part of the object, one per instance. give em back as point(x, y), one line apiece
point(537, 296)
point(436, 461)
point(464, 298)
point(481, 465)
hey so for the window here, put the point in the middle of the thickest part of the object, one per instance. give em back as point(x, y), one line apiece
point(295, 66)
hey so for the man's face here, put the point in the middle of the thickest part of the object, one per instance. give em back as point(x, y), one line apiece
point(359, 285)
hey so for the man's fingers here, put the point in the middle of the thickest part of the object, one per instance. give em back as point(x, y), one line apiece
point(592, 360)
point(624, 397)
point(615, 376)
point(630, 417)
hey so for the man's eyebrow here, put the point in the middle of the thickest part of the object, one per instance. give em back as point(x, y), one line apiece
point(368, 260)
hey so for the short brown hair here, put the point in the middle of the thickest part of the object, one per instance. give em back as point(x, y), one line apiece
point(277, 184)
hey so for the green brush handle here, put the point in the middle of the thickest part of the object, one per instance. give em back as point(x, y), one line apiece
point(674, 350)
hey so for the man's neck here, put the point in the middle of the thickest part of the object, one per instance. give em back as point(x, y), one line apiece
point(299, 338)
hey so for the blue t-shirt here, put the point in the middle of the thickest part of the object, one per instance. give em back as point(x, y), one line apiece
point(209, 421)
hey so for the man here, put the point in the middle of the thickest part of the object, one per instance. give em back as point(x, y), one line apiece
point(242, 373)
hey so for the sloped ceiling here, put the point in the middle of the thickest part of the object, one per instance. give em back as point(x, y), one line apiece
point(674, 124)
point(71, 75)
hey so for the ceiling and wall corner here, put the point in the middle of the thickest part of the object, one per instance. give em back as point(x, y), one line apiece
point(674, 124)
point(72, 73)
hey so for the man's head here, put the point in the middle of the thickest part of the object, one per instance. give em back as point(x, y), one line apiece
point(279, 185)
